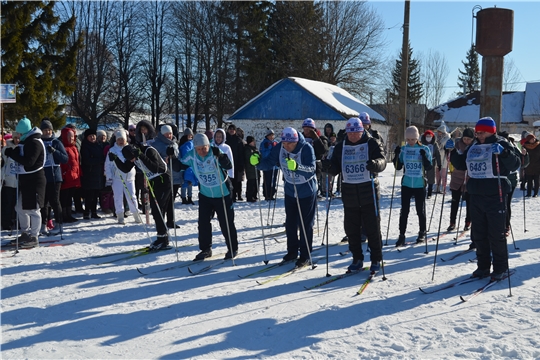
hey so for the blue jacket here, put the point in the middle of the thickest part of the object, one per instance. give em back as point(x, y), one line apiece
point(306, 167)
point(266, 147)
point(53, 174)
point(189, 175)
point(160, 144)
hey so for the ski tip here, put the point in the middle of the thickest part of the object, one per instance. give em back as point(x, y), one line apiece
point(190, 271)
point(462, 298)
point(140, 272)
point(266, 262)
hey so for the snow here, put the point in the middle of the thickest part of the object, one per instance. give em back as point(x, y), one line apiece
point(338, 98)
point(60, 302)
point(531, 106)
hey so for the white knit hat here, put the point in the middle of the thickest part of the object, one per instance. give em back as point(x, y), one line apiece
point(412, 133)
point(121, 133)
point(200, 140)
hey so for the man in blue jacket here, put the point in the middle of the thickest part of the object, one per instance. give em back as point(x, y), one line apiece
point(296, 159)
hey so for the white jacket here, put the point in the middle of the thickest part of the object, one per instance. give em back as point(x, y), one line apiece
point(112, 172)
point(9, 178)
point(226, 149)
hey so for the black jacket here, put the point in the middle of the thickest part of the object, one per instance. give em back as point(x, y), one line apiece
point(354, 195)
point(92, 166)
point(59, 156)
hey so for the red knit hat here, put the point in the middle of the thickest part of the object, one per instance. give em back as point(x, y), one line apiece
point(429, 132)
point(486, 124)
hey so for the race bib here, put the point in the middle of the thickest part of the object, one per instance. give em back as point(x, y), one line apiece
point(479, 161)
point(353, 167)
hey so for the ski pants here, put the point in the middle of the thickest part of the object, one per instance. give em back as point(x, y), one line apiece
point(457, 196)
point(159, 201)
point(30, 220)
point(358, 219)
point(52, 197)
point(269, 185)
point(488, 219)
point(207, 206)
point(419, 195)
point(293, 224)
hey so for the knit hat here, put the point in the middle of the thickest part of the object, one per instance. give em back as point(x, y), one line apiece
point(89, 132)
point(442, 128)
point(412, 133)
point(468, 133)
point(364, 117)
point(289, 134)
point(23, 126)
point(308, 122)
point(430, 133)
point(524, 134)
point(269, 132)
point(232, 126)
point(121, 133)
point(527, 138)
point(354, 124)
point(166, 129)
point(200, 140)
point(132, 127)
point(46, 124)
point(209, 134)
point(249, 139)
point(333, 134)
point(101, 133)
point(486, 124)
point(188, 131)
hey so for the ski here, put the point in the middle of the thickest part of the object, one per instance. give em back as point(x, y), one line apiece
point(451, 285)
point(458, 254)
point(210, 266)
point(265, 269)
point(273, 266)
point(181, 265)
point(41, 245)
point(136, 254)
point(335, 278)
point(12, 243)
point(480, 290)
point(138, 250)
point(288, 272)
point(268, 236)
point(366, 283)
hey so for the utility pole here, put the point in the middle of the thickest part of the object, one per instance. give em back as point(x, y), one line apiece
point(404, 76)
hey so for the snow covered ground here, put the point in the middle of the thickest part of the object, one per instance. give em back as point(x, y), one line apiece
point(65, 302)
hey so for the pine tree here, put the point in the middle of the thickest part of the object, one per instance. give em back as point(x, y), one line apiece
point(469, 79)
point(37, 58)
point(415, 89)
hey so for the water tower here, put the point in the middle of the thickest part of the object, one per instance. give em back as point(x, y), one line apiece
point(494, 38)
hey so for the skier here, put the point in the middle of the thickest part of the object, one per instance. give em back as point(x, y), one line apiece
point(442, 138)
point(252, 174)
point(320, 146)
point(428, 139)
point(415, 159)
point(489, 161)
point(532, 171)
point(188, 177)
point(56, 155)
point(236, 145)
point(297, 161)
point(210, 166)
point(269, 176)
point(154, 169)
point(359, 158)
point(30, 156)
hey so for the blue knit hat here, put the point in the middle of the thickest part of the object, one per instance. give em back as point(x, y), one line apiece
point(486, 124)
point(309, 123)
point(364, 117)
point(23, 126)
point(289, 135)
point(354, 125)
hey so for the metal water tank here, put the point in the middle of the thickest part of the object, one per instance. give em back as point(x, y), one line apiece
point(494, 31)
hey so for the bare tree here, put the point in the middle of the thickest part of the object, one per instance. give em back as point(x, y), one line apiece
point(155, 61)
point(511, 75)
point(435, 71)
point(354, 44)
point(98, 87)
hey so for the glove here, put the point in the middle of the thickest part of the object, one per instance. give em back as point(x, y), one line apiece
point(423, 152)
point(449, 144)
point(254, 159)
point(8, 151)
point(291, 164)
point(170, 150)
point(216, 151)
point(50, 149)
point(112, 156)
point(397, 151)
point(370, 165)
point(130, 152)
point(497, 148)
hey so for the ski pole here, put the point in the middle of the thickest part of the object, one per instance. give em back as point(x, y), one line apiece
point(130, 198)
point(504, 222)
point(269, 188)
point(224, 208)
point(391, 201)
point(275, 197)
point(462, 195)
point(378, 222)
point(313, 266)
point(260, 213)
point(326, 227)
point(524, 219)
point(440, 219)
point(173, 196)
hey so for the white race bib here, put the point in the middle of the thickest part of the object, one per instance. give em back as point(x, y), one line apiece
point(412, 161)
point(479, 161)
point(353, 164)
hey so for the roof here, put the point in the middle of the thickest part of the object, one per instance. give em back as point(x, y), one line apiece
point(531, 107)
point(296, 98)
point(466, 109)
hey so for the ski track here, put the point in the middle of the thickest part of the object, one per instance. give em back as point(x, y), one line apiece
point(59, 303)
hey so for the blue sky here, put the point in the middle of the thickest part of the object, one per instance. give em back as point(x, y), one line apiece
point(447, 27)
